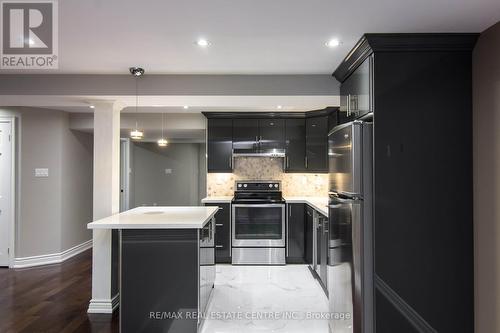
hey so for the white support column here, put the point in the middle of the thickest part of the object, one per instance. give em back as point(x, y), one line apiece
point(106, 201)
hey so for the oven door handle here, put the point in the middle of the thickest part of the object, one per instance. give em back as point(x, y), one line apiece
point(259, 205)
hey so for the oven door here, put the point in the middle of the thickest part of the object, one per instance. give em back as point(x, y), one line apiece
point(258, 225)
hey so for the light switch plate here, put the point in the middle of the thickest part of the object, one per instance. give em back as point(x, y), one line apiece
point(41, 172)
point(168, 171)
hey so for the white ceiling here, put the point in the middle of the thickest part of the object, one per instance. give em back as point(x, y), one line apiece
point(248, 37)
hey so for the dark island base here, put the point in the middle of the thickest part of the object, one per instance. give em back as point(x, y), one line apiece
point(166, 277)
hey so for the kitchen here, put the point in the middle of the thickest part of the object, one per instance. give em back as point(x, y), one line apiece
point(334, 191)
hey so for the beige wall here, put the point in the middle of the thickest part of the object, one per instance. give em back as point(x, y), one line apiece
point(76, 186)
point(486, 80)
point(151, 185)
point(263, 168)
point(39, 225)
point(52, 212)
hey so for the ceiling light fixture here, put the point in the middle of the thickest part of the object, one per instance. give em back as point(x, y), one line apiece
point(91, 106)
point(279, 107)
point(162, 142)
point(186, 107)
point(137, 72)
point(202, 42)
point(333, 43)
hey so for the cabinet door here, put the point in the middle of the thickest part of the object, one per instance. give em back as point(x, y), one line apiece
point(222, 232)
point(220, 145)
point(317, 144)
point(308, 246)
point(333, 120)
point(318, 233)
point(295, 141)
point(271, 134)
point(245, 135)
point(323, 271)
point(296, 234)
point(355, 93)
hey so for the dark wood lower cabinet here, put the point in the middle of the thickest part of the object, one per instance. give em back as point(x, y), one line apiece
point(296, 233)
point(222, 233)
point(309, 224)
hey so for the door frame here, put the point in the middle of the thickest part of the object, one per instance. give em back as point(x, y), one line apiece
point(13, 193)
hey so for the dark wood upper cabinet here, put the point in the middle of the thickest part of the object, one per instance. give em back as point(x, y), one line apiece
point(303, 136)
point(316, 159)
point(356, 93)
point(295, 144)
point(245, 135)
point(271, 134)
point(220, 145)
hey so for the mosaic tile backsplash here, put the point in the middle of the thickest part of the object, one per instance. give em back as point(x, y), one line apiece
point(261, 168)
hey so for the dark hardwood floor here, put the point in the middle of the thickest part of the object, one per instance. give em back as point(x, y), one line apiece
point(51, 298)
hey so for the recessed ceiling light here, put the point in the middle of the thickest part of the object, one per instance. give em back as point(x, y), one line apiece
point(202, 42)
point(333, 43)
point(91, 106)
point(279, 107)
point(186, 107)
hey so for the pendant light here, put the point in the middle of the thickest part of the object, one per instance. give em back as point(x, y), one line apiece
point(137, 72)
point(162, 142)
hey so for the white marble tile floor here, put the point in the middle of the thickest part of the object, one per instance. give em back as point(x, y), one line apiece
point(261, 299)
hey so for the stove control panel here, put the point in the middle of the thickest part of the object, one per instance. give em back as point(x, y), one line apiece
point(261, 185)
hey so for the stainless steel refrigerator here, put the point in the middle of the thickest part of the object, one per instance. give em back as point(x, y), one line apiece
point(350, 259)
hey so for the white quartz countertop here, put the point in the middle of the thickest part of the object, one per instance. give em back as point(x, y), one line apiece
point(158, 218)
point(217, 199)
point(318, 203)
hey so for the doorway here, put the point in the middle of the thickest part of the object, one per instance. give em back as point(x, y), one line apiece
point(6, 190)
point(124, 175)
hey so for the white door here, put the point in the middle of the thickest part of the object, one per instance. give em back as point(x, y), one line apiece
point(5, 190)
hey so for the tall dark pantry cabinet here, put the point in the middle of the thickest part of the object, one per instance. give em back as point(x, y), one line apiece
point(420, 94)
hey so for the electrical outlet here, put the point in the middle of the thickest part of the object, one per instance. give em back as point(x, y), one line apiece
point(41, 172)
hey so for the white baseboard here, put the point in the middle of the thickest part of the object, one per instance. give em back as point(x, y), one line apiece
point(106, 306)
point(53, 258)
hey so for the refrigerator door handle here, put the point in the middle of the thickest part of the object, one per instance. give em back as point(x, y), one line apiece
point(335, 206)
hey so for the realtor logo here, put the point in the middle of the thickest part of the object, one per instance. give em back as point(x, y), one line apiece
point(29, 35)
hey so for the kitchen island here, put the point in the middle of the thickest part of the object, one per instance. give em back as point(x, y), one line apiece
point(167, 266)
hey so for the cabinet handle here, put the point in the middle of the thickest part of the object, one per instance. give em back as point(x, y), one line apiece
point(306, 162)
point(219, 225)
point(287, 162)
point(230, 161)
point(219, 246)
point(349, 105)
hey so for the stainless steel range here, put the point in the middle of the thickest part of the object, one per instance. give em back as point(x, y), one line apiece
point(258, 223)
